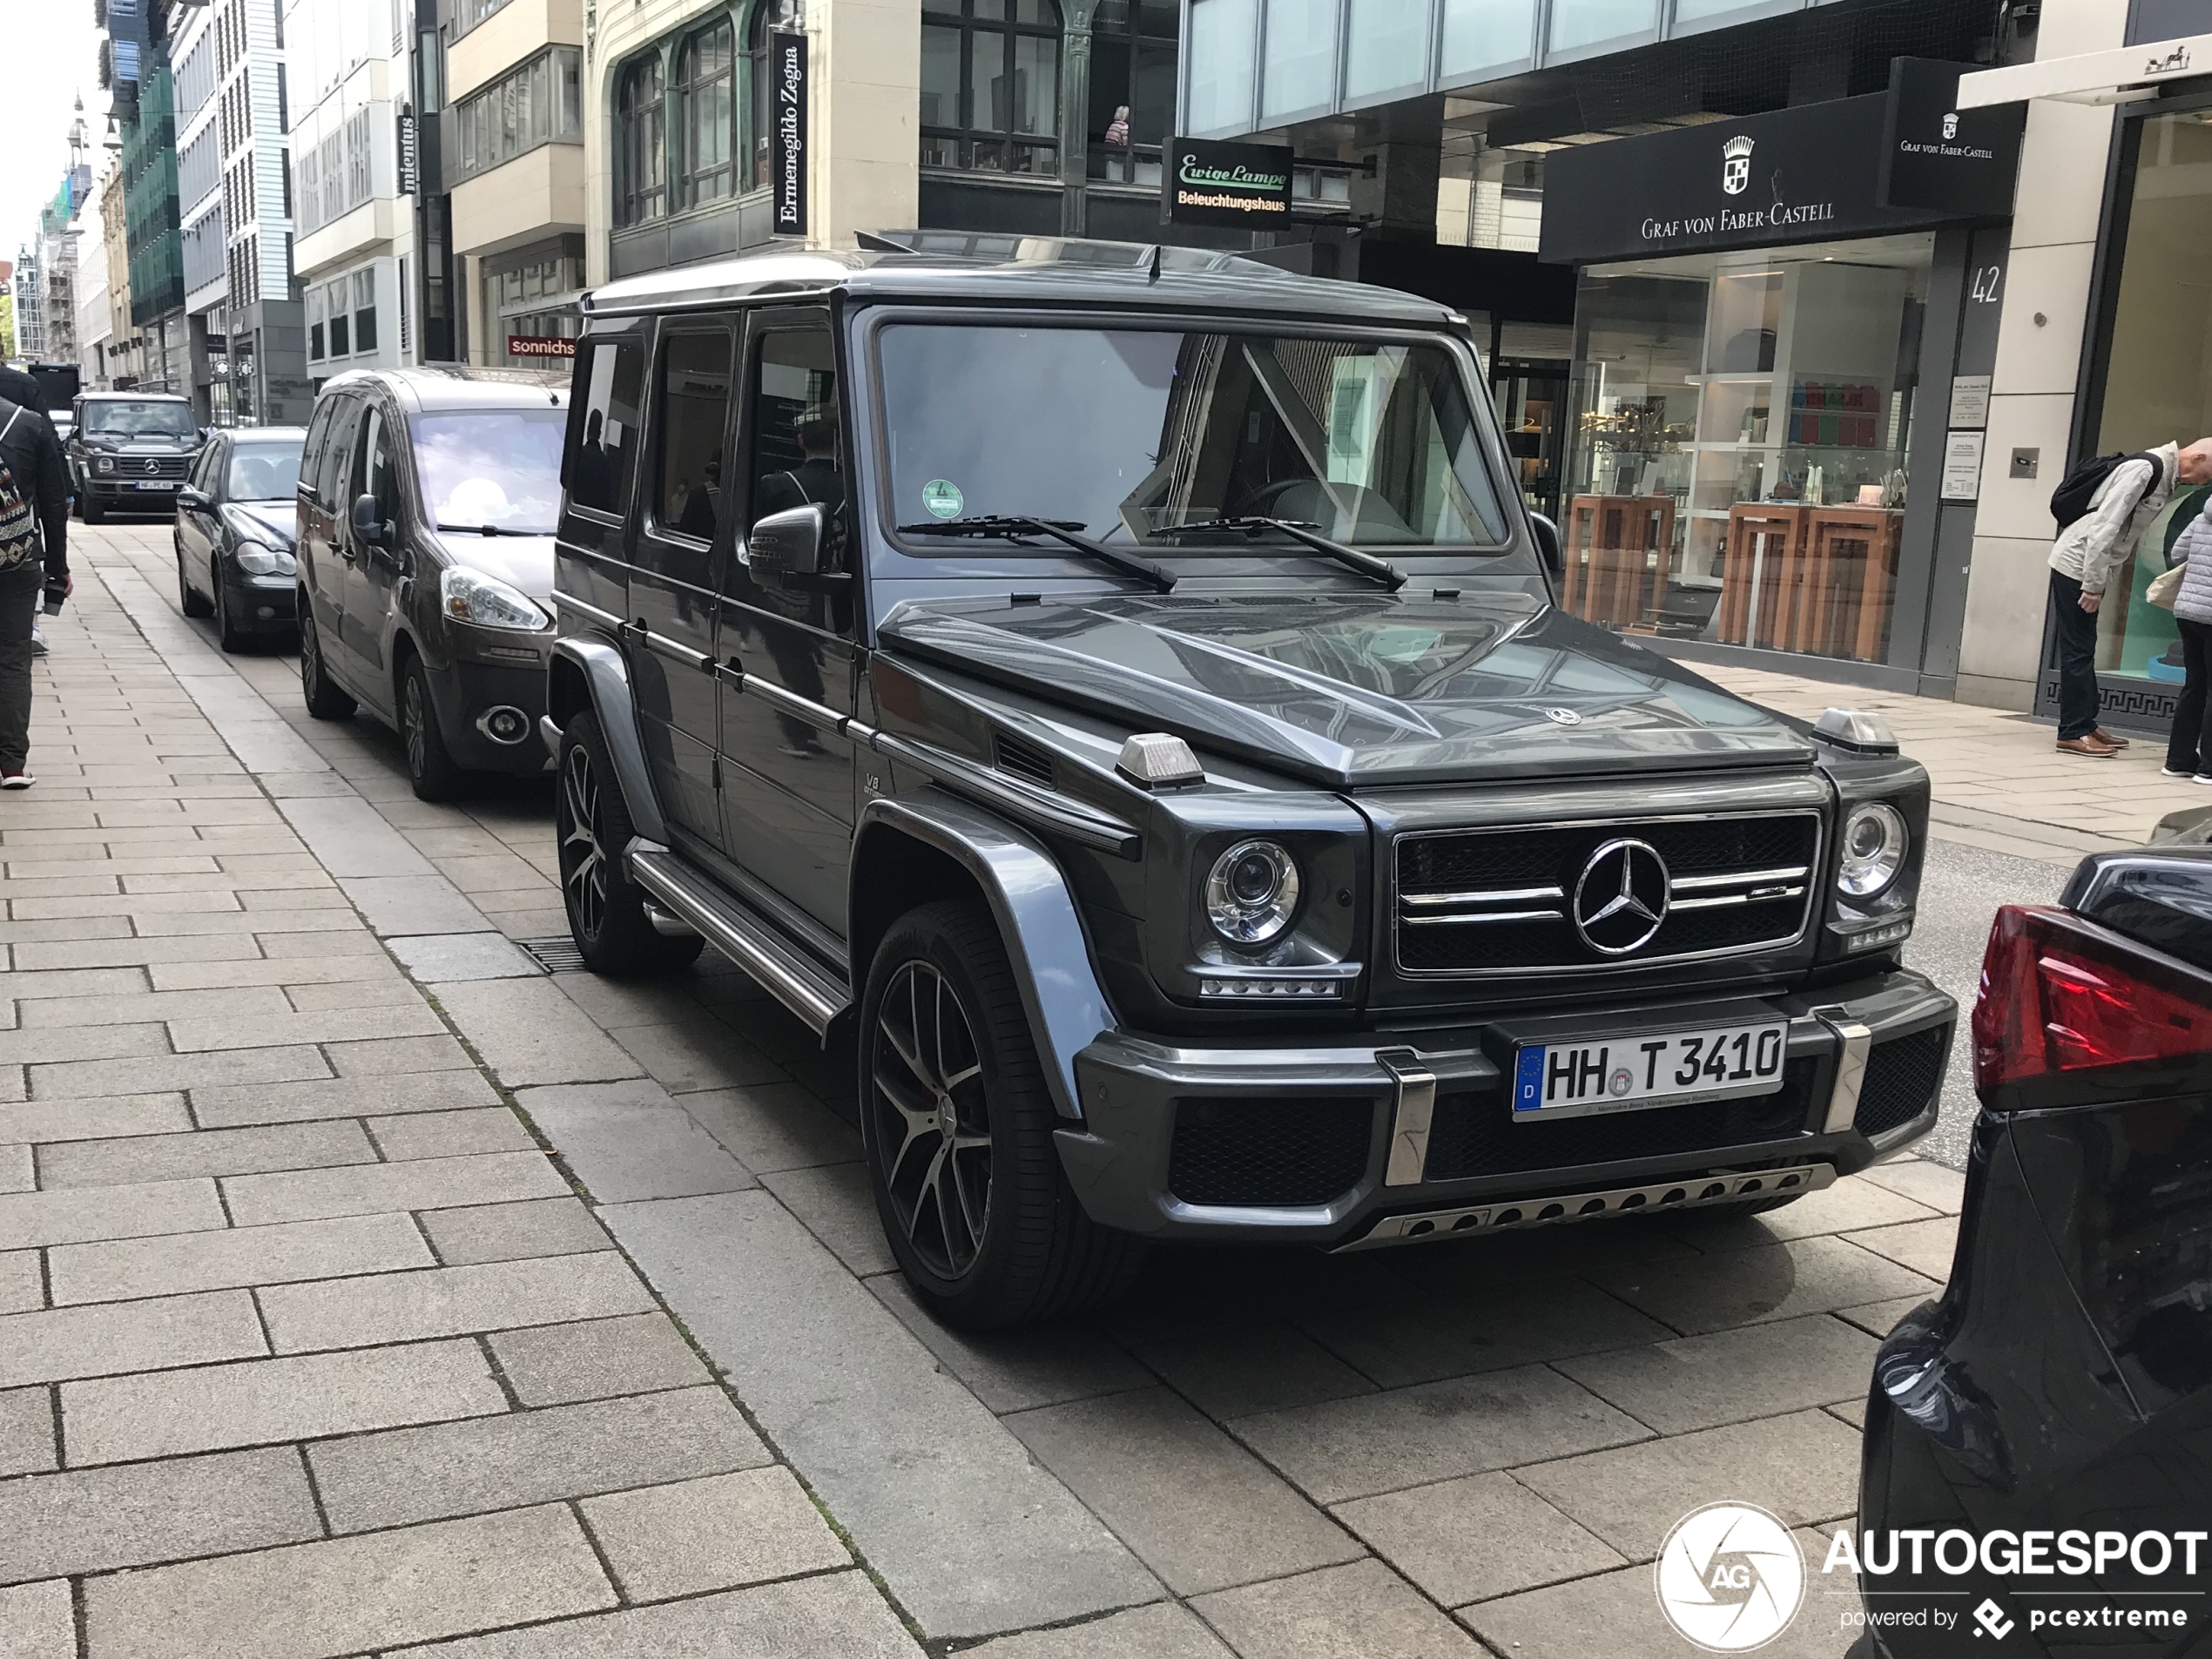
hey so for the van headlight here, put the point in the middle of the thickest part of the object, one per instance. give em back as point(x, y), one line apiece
point(257, 560)
point(1251, 892)
point(1875, 842)
point(472, 597)
point(105, 463)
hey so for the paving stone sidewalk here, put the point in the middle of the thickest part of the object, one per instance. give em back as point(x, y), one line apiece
point(368, 1289)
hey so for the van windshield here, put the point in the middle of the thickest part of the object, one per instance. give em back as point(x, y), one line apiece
point(150, 419)
point(1135, 432)
point(497, 469)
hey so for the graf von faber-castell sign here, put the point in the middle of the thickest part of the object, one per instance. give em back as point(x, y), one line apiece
point(1243, 186)
point(787, 185)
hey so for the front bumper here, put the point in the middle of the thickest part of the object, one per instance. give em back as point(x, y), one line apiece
point(1360, 1142)
point(466, 691)
point(261, 603)
point(124, 494)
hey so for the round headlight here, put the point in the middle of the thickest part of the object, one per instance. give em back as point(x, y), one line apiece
point(1875, 840)
point(1251, 893)
point(106, 463)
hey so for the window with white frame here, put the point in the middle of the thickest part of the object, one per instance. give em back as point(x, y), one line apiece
point(365, 310)
point(535, 103)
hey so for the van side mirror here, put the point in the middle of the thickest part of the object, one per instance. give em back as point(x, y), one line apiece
point(1548, 547)
point(368, 520)
point(788, 543)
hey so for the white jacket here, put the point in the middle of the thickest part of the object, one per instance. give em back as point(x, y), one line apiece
point(2102, 539)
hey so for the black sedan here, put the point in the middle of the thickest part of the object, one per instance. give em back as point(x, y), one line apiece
point(2039, 1442)
point(235, 531)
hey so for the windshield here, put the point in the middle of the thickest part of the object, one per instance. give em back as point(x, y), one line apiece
point(495, 468)
point(1135, 432)
point(136, 420)
point(264, 471)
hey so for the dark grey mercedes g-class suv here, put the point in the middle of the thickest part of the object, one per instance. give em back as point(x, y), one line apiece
point(1119, 683)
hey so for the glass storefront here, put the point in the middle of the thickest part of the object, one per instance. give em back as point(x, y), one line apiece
point(1741, 421)
point(2157, 381)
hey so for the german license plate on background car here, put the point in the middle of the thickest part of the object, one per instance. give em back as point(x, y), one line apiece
point(155, 483)
point(1657, 1069)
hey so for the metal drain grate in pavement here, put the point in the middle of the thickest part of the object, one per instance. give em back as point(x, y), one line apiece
point(555, 955)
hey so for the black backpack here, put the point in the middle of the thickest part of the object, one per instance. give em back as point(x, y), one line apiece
point(19, 526)
point(2070, 501)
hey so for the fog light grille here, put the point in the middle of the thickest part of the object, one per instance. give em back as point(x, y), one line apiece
point(1269, 1151)
point(1902, 1077)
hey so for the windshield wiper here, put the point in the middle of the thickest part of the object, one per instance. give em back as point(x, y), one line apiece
point(1366, 564)
point(1013, 526)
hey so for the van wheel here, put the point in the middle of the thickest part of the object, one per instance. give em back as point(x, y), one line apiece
point(192, 603)
point(958, 1126)
point(325, 700)
point(591, 827)
point(430, 763)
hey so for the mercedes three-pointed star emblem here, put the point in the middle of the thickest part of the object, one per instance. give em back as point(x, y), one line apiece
point(1621, 899)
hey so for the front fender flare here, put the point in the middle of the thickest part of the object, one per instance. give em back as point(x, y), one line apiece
point(608, 678)
point(1036, 914)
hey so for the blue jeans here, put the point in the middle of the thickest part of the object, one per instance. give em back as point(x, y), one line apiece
point(2081, 699)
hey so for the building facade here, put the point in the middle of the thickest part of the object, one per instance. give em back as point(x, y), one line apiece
point(134, 68)
point(95, 311)
point(350, 65)
point(248, 335)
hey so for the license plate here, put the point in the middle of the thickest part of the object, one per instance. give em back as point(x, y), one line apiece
point(1661, 1068)
point(155, 483)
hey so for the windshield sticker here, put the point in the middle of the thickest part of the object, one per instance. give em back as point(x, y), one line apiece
point(942, 497)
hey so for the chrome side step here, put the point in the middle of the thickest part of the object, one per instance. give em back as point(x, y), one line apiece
point(802, 986)
point(1722, 1186)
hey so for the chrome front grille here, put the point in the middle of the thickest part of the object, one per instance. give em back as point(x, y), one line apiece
point(1559, 899)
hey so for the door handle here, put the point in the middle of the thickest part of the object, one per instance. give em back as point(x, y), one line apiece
point(731, 671)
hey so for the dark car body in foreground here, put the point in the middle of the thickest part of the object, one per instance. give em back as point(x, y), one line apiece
point(2057, 1400)
point(1350, 894)
point(235, 524)
point(425, 508)
point(129, 452)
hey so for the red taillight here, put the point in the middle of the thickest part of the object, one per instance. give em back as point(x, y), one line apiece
point(2055, 1000)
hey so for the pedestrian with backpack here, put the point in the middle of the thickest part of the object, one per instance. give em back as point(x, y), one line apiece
point(2102, 508)
point(34, 494)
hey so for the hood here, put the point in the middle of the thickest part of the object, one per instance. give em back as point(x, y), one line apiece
point(1365, 691)
point(151, 443)
point(273, 522)
point(522, 562)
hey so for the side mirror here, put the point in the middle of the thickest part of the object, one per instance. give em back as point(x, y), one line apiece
point(368, 522)
point(189, 497)
point(1548, 547)
point(788, 543)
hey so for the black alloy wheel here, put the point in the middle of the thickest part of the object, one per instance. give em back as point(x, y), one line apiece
point(189, 601)
point(957, 1124)
point(591, 826)
point(932, 1119)
point(325, 700)
point(430, 766)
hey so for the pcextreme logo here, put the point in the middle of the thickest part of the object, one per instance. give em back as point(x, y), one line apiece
point(1730, 1577)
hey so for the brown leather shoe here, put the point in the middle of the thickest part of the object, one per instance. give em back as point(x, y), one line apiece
point(2115, 741)
point(2092, 745)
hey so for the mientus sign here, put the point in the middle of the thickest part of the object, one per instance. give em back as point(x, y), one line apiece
point(1238, 184)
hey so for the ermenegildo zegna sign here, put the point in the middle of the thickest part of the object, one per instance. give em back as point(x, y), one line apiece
point(1245, 187)
point(1813, 173)
point(787, 185)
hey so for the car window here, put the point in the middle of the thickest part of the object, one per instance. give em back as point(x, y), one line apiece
point(690, 415)
point(495, 468)
point(133, 418)
point(260, 471)
point(373, 469)
point(338, 454)
point(793, 424)
point(610, 380)
point(203, 467)
point(317, 434)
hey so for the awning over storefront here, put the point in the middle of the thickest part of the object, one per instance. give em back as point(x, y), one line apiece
point(2119, 75)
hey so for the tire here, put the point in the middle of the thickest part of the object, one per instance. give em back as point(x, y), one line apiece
point(430, 766)
point(941, 1004)
point(228, 634)
point(325, 700)
point(591, 825)
point(192, 603)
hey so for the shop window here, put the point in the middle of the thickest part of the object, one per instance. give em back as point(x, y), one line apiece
point(1741, 427)
point(1482, 34)
point(991, 80)
point(1132, 87)
point(1222, 44)
point(2157, 375)
point(706, 113)
point(365, 310)
point(1578, 24)
point(641, 142)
